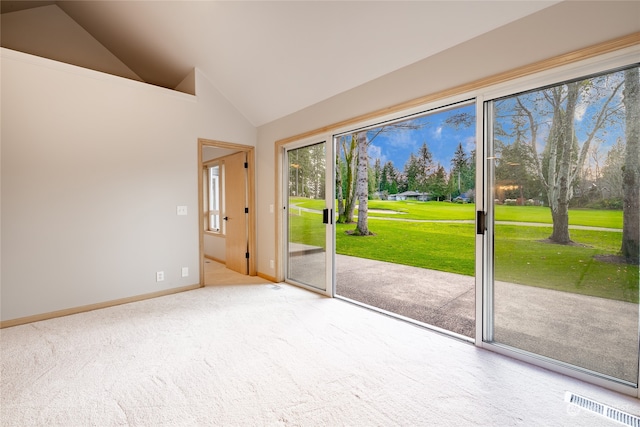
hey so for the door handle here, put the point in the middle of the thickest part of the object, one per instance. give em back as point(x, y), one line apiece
point(226, 218)
point(327, 216)
point(481, 222)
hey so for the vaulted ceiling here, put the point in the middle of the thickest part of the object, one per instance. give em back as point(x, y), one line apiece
point(271, 59)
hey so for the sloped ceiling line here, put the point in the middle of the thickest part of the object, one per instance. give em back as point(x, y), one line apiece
point(271, 58)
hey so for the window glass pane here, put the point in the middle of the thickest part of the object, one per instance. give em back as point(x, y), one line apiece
point(214, 198)
point(214, 221)
point(565, 206)
point(306, 202)
point(405, 239)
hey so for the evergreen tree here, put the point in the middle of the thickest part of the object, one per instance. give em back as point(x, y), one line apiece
point(412, 172)
point(388, 178)
point(437, 184)
point(459, 166)
point(424, 168)
point(377, 176)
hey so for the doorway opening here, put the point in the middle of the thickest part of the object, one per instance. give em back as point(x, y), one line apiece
point(405, 235)
point(226, 202)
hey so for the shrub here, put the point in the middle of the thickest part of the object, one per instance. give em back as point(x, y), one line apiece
point(609, 204)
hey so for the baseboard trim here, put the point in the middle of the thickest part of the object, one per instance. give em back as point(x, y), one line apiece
point(221, 261)
point(91, 307)
point(267, 277)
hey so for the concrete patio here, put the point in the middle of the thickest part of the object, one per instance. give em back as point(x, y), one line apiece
point(596, 333)
point(591, 332)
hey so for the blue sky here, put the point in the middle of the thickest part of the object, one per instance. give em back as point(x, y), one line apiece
point(441, 138)
point(589, 105)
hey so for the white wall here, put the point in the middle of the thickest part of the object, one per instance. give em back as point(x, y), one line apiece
point(559, 29)
point(215, 247)
point(93, 167)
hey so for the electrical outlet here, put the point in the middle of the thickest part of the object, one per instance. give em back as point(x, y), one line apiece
point(185, 271)
point(160, 276)
point(181, 210)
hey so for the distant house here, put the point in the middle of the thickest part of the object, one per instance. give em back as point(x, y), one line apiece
point(409, 195)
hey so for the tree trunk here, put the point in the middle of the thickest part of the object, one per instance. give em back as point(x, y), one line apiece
point(560, 217)
point(563, 133)
point(631, 171)
point(362, 188)
point(349, 197)
point(339, 184)
point(350, 206)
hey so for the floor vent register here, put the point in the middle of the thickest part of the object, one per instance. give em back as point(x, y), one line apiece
point(608, 412)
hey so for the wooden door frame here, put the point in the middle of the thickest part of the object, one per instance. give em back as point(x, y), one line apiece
point(251, 200)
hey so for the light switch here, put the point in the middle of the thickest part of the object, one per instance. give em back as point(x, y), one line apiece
point(182, 210)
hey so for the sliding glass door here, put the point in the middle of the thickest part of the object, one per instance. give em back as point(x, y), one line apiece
point(405, 196)
point(309, 218)
point(525, 243)
point(563, 217)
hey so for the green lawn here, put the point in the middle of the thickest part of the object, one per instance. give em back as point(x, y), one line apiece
point(520, 255)
point(421, 210)
point(542, 214)
point(445, 247)
point(453, 211)
point(306, 228)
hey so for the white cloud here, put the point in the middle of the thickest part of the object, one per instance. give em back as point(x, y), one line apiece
point(375, 152)
point(404, 139)
point(469, 144)
point(437, 133)
point(581, 109)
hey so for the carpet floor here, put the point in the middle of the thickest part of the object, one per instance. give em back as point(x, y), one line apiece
point(266, 354)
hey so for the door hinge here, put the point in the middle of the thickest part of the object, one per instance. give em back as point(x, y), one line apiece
point(246, 255)
point(246, 210)
point(246, 165)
